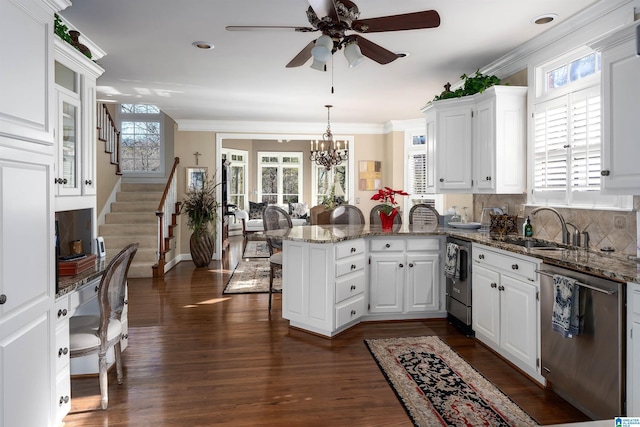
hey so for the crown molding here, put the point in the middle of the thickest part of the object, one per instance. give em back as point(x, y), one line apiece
point(278, 127)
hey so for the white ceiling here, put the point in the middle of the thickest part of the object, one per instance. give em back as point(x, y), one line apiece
point(149, 56)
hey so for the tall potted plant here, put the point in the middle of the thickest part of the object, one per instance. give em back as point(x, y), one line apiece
point(201, 207)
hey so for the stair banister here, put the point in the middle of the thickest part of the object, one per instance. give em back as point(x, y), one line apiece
point(168, 202)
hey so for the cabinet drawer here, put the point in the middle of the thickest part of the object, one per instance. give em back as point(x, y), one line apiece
point(387, 245)
point(514, 266)
point(350, 311)
point(63, 393)
point(635, 302)
point(62, 345)
point(349, 286)
point(423, 244)
point(350, 265)
point(349, 248)
point(61, 309)
point(84, 294)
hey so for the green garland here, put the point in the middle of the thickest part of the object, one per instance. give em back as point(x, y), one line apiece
point(472, 85)
point(62, 31)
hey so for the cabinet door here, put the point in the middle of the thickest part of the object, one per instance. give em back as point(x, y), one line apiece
point(484, 138)
point(453, 148)
point(430, 146)
point(518, 319)
point(89, 136)
point(386, 283)
point(621, 91)
point(422, 283)
point(486, 303)
point(68, 139)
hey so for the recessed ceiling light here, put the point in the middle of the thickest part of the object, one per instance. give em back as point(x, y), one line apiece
point(545, 19)
point(202, 45)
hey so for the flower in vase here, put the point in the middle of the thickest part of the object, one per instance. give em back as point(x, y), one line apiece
point(386, 197)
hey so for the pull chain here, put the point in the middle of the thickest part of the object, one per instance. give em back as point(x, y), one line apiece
point(332, 74)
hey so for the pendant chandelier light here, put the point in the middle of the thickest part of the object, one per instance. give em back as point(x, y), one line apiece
point(329, 153)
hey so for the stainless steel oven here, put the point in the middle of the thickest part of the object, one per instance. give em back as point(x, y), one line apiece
point(458, 293)
point(588, 370)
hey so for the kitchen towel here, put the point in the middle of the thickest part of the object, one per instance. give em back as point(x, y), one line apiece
point(452, 263)
point(566, 306)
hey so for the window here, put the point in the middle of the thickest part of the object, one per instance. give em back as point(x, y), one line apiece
point(418, 175)
point(323, 179)
point(567, 128)
point(140, 138)
point(280, 177)
point(236, 181)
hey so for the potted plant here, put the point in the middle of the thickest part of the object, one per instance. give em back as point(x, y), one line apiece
point(201, 207)
point(389, 208)
point(477, 83)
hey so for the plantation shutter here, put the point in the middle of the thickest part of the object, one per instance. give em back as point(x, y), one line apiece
point(550, 145)
point(586, 136)
point(417, 174)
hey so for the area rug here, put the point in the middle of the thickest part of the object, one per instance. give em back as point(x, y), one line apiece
point(251, 276)
point(256, 249)
point(439, 388)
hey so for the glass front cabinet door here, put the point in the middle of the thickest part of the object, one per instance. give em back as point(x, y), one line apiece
point(67, 174)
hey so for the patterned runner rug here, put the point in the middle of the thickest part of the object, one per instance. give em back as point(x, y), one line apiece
point(439, 388)
point(252, 276)
point(256, 249)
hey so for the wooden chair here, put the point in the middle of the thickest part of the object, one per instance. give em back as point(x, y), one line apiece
point(374, 216)
point(93, 334)
point(423, 214)
point(346, 214)
point(275, 218)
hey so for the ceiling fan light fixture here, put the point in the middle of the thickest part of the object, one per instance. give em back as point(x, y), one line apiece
point(353, 54)
point(322, 49)
point(318, 65)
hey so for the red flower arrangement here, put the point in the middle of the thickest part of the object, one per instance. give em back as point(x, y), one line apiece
point(386, 196)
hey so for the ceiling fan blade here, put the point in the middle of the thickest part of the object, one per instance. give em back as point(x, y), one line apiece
point(374, 51)
point(324, 8)
point(269, 28)
point(407, 21)
point(303, 56)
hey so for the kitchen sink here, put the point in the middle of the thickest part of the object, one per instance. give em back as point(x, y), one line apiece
point(533, 244)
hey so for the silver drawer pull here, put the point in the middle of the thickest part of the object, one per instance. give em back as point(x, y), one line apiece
point(353, 288)
point(494, 285)
point(62, 312)
point(353, 250)
point(480, 256)
point(388, 245)
point(514, 266)
point(353, 313)
point(63, 351)
point(353, 267)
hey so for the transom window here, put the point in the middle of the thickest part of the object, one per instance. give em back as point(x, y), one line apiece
point(140, 138)
point(573, 71)
point(280, 177)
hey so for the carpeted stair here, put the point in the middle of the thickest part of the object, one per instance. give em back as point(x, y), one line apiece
point(133, 219)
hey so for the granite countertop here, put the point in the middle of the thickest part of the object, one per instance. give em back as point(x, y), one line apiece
point(68, 284)
point(613, 265)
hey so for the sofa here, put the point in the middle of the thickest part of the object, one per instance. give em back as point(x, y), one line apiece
point(252, 220)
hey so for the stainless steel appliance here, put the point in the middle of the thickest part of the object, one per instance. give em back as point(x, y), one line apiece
point(458, 293)
point(588, 370)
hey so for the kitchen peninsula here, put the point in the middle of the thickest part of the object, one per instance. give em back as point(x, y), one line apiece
point(327, 287)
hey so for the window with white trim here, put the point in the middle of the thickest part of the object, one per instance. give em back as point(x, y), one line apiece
point(140, 138)
point(567, 130)
point(280, 177)
point(237, 179)
point(418, 177)
point(323, 180)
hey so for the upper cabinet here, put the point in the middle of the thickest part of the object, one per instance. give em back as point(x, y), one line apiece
point(27, 36)
point(620, 94)
point(480, 142)
point(75, 132)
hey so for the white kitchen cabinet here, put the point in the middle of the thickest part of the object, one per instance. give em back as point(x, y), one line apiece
point(62, 396)
point(633, 349)
point(75, 87)
point(620, 94)
point(430, 147)
point(480, 142)
point(404, 277)
point(506, 309)
point(323, 285)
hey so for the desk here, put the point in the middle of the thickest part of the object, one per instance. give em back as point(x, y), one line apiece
point(77, 295)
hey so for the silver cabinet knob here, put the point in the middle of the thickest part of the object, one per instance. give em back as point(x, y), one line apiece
point(605, 173)
point(3, 299)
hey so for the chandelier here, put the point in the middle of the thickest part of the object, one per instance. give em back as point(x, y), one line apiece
point(329, 153)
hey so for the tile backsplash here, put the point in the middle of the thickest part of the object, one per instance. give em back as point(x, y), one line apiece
point(616, 229)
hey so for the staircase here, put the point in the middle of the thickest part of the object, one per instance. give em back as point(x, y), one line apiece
point(133, 219)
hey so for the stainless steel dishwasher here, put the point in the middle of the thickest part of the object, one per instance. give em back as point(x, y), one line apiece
point(588, 370)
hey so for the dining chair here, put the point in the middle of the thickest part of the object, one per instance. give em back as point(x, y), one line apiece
point(275, 218)
point(91, 334)
point(423, 214)
point(374, 216)
point(346, 214)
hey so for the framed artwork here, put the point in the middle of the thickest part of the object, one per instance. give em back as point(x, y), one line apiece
point(195, 178)
point(370, 175)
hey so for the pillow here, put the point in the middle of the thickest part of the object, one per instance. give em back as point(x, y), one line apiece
point(298, 210)
point(256, 209)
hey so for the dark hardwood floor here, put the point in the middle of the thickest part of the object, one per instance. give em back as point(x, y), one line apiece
point(200, 358)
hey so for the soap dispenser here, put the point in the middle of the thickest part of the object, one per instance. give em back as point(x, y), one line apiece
point(528, 228)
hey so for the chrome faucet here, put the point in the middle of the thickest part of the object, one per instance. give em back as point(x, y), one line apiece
point(563, 223)
point(575, 236)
